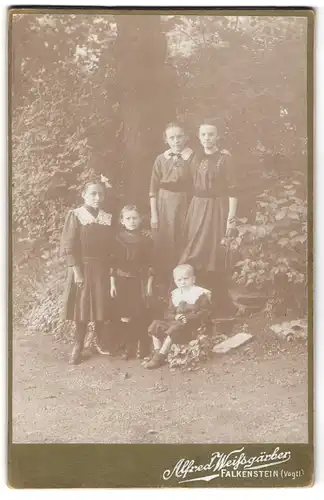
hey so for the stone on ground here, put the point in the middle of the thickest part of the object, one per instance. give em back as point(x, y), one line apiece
point(290, 330)
point(232, 343)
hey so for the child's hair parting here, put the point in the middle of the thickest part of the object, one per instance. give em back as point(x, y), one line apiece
point(183, 268)
point(212, 121)
point(92, 182)
point(174, 124)
point(128, 208)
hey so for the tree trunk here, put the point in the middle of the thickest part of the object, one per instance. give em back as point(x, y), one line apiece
point(147, 97)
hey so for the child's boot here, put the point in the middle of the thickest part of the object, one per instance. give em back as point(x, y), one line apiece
point(75, 358)
point(130, 351)
point(157, 360)
point(103, 342)
point(131, 340)
point(144, 347)
point(80, 333)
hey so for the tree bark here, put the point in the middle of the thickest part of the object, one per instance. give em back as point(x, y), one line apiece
point(146, 85)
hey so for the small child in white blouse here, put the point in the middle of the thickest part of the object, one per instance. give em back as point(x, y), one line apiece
point(189, 308)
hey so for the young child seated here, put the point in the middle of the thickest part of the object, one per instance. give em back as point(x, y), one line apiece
point(189, 308)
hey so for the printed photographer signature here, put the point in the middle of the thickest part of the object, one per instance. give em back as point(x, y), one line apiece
point(234, 460)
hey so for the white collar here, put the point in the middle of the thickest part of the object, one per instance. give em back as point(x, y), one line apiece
point(190, 296)
point(85, 217)
point(185, 153)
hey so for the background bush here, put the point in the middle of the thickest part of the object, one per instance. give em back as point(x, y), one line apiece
point(91, 94)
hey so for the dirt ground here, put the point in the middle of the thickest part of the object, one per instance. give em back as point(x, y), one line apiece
point(257, 393)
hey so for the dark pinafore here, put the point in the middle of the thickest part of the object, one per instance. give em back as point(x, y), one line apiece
point(213, 182)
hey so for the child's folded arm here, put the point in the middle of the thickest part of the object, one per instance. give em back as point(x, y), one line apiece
point(202, 309)
point(202, 314)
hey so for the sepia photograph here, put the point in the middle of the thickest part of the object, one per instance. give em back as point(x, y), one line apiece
point(160, 169)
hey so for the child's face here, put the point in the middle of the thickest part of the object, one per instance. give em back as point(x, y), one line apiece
point(208, 136)
point(176, 139)
point(183, 279)
point(131, 220)
point(94, 195)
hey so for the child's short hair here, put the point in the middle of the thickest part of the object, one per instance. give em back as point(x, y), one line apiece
point(183, 268)
point(177, 124)
point(128, 208)
point(92, 182)
point(212, 121)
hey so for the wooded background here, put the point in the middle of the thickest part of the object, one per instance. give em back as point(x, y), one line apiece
point(91, 94)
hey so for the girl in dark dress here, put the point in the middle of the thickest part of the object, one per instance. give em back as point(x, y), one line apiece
point(211, 216)
point(87, 241)
point(169, 198)
point(131, 283)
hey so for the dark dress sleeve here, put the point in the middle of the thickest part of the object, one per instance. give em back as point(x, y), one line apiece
point(114, 256)
point(202, 310)
point(193, 164)
point(70, 241)
point(149, 255)
point(155, 178)
point(170, 312)
point(230, 174)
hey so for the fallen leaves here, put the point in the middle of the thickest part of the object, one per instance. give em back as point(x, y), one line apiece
point(190, 356)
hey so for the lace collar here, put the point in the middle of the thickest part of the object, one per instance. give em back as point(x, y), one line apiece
point(214, 153)
point(186, 153)
point(85, 217)
point(190, 296)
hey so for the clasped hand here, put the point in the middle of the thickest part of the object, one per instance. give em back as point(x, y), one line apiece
point(181, 317)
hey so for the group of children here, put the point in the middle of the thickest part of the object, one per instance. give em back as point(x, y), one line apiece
point(111, 273)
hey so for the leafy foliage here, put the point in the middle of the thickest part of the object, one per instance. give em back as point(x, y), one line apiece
point(64, 101)
point(250, 77)
point(190, 356)
point(76, 113)
point(273, 248)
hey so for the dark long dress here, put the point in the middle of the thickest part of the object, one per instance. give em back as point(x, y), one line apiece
point(212, 183)
point(170, 183)
point(131, 267)
point(87, 243)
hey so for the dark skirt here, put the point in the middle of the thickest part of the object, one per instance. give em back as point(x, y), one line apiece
point(172, 209)
point(130, 300)
point(91, 302)
point(203, 232)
